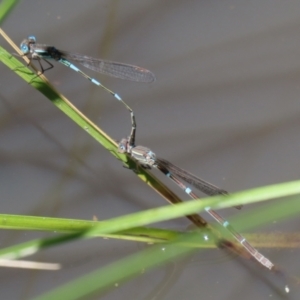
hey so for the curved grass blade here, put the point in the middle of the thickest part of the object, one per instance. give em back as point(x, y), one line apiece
point(6, 6)
point(126, 227)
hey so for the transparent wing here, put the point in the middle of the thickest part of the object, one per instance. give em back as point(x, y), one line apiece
point(200, 184)
point(111, 68)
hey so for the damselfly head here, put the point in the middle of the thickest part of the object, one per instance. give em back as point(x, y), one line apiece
point(123, 146)
point(25, 45)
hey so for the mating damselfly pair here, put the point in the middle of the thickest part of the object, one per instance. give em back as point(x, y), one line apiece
point(143, 155)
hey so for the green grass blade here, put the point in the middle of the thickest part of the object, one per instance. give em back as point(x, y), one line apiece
point(164, 213)
point(121, 270)
point(280, 210)
point(88, 229)
point(6, 7)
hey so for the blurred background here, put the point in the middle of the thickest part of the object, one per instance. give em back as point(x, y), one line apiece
point(225, 106)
